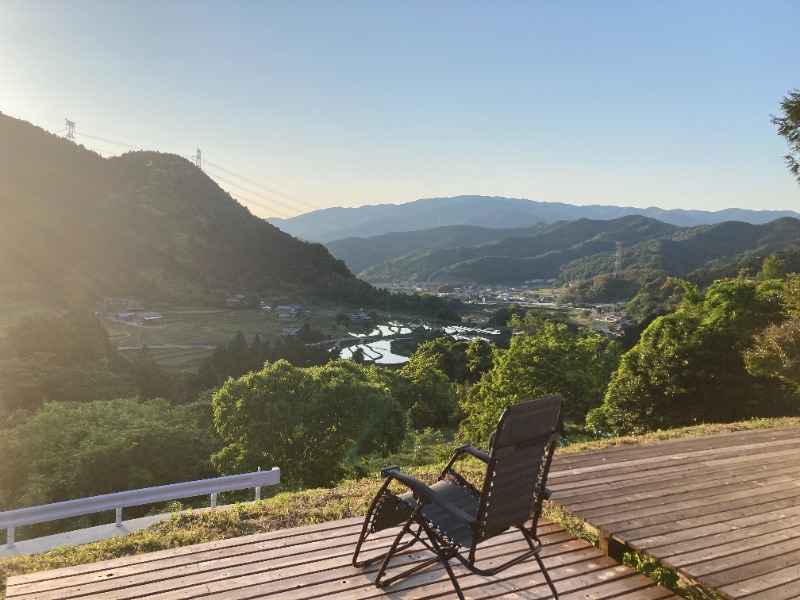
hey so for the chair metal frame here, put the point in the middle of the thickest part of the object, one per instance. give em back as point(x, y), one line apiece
point(431, 515)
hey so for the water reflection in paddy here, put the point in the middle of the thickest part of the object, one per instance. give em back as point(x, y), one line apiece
point(380, 352)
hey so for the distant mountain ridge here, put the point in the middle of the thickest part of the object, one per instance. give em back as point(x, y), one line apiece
point(496, 212)
point(146, 224)
point(566, 250)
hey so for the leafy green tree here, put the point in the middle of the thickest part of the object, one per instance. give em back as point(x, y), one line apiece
point(461, 361)
point(73, 450)
point(59, 357)
point(310, 422)
point(446, 355)
point(547, 358)
point(422, 390)
point(480, 358)
point(688, 366)
point(64, 339)
point(776, 351)
point(789, 128)
point(773, 268)
point(152, 380)
point(292, 349)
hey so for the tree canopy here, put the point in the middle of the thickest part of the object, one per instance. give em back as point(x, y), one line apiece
point(76, 449)
point(788, 124)
point(688, 366)
point(546, 358)
point(308, 421)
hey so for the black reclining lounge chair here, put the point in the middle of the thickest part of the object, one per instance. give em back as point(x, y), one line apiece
point(452, 517)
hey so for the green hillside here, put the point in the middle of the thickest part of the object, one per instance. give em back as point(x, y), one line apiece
point(360, 254)
point(692, 248)
point(515, 259)
point(582, 249)
point(76, 225)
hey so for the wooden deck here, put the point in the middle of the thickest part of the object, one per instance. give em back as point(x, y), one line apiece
point(314, 562)
point(724, 510)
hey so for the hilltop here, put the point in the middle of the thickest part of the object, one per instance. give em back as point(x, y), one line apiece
point(76, 225)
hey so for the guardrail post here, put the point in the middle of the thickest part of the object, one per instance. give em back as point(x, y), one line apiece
point(10, 537)
point(214, 500)
point(118, 522)
point(258, 490)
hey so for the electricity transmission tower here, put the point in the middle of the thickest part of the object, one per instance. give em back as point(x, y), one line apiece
point(618, 262)
point(198, 161)
point(70, 130)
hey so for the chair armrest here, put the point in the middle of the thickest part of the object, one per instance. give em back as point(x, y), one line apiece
point(450, 470)
point(427, 495)
point(467, 449)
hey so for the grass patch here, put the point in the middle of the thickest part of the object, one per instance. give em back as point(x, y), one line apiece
point(681, 433)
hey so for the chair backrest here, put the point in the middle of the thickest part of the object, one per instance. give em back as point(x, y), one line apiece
point(519, 461)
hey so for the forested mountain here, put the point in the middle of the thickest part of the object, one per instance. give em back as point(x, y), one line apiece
point(360, 254)
point(689, 249)
point(146, 224)
point(496, 212)
point(577, 250)
point(516, 259)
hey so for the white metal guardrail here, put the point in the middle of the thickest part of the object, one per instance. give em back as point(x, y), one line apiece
point(119, 500)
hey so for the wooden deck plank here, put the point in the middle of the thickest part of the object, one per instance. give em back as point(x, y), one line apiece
point(107, 568)
point(681, 466)
point(670, 450)
point(726, 501)
point(743, 540)
point(672, 542)
point(696, 504)
point(338, 569)
point(314, 562)
point(662, 487)
point(788, 587)
point(694, 520)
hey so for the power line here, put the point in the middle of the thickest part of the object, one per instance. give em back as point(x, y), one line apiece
point(94, 137)
point(100, 151)
point(249, 191)
point(264, 187)
point(199, 161)
point(249, 201)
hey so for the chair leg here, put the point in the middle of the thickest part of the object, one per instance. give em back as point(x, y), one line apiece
point(440, 555)
point(546, 575)
point(395, 547)
point(381, 496)
point(444, 557)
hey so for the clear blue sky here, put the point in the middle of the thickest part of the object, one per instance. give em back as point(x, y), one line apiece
point(344, 103)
